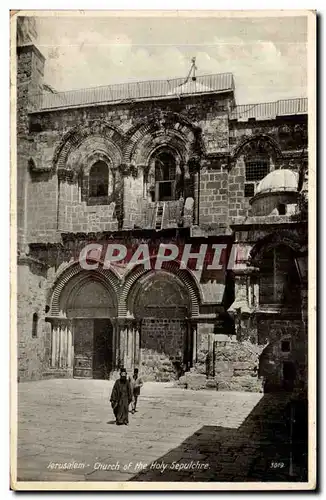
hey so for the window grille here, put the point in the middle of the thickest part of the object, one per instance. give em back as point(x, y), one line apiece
point(256, 169)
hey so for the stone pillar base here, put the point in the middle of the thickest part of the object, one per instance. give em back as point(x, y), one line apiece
point(58, 373)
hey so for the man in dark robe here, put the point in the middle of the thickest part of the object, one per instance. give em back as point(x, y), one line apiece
point(121, 398)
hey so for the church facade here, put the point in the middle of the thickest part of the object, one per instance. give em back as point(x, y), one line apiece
point(153, 163)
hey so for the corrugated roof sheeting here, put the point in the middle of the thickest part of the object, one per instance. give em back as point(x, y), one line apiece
point(130, 91)
point(270, 110)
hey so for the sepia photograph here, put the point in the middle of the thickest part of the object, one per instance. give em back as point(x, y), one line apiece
point(163, 250)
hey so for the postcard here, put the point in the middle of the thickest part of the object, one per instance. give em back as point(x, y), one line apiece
point(163, 284)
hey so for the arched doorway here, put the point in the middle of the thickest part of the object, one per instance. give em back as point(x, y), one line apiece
point(84, 333)
point(160, 302)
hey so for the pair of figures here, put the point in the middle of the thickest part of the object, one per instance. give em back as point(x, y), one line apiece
point(124, 392)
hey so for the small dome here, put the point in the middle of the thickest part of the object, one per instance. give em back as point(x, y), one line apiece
point(278, 180)
point(190, 87)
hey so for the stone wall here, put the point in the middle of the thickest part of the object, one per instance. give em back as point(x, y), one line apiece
point(238, 205)
point(225, 366)
point(30, 69)
point(286, 133)
point(213, 195)
point(161, 347)
point(274, 332)
point(51, 202)
point(77, 216)
point(47, 130)
point(273, 329)
point(236, 366)
point(41, 206)
point(133, 201)
point(33, 352)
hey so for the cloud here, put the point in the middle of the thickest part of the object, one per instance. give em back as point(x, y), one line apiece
point(87, 55)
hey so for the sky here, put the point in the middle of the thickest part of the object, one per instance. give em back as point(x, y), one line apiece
point(267, 56)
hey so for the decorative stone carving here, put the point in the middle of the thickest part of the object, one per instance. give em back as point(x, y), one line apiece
point(128, 169)
point(34, 167)
point(257, 144)
point(66, 174)
point(74, 138)
point(192, 113)
point(270, 241)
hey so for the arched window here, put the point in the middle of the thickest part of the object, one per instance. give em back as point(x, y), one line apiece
point(256, 168)
point(165, 176)
point(98, 180)
point(279, 279)
point(34, 325)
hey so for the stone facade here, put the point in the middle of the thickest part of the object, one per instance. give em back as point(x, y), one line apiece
point(167, 322)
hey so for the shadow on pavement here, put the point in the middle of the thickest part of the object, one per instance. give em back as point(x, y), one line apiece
point(270, 445)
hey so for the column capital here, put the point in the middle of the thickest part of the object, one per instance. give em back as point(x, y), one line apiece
point(128, 169)
point(128, 322)
point(245, 271)
point(58, 320)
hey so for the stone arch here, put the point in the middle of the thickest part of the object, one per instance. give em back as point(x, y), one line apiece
point(171, 128)
point(183, 276)
point(89, 295)
point(91, 149)
point(163, 303)
point(178, 292)
point(166, 148)
point(101, 130)
point(258, 140)
point(153, 140)
point(107, 277)
point(270, 241)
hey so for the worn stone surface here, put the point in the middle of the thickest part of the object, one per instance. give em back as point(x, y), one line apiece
point(126, 133)
point(193, 381)
point(56, 215)
point(33, 347)
point(232, 436)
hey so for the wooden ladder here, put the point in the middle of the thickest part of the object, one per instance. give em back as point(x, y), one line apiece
point(159, 216)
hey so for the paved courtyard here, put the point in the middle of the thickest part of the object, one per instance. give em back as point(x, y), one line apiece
point(177, 435)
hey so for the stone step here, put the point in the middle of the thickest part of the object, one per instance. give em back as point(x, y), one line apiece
point(57, 373)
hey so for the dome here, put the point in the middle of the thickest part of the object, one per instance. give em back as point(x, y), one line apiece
point(190, 87)
point(278, 180)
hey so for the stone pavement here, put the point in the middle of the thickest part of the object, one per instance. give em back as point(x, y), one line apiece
point(177, 435)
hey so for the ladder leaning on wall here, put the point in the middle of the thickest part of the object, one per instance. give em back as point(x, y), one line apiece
point(159, 215)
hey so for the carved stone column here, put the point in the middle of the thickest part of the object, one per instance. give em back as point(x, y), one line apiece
point(246, 301)
point(128, 344)
point(70, 346)
point(54, 342)
point(62, 343)
point(137, 356)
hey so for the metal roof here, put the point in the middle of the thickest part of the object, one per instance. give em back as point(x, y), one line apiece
point(125, 92)
point(270, 110)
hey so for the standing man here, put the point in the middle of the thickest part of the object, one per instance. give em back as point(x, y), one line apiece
point(135, 383)
point(121, 398)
